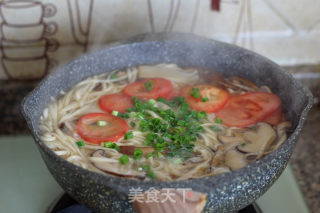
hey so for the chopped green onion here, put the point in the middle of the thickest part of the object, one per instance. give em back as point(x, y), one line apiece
point(243, 144)
point(152, 101)
point(150, 173)
point(160, 155)
point(132, 114)
point(205, 99)
point(128, 135)
point(202, 114)
point(111, 145)
point(80, 143)
point(132, 124)
point(215, 128)
point(195, 93)
point(115, 113)
point(124, 159)
point(140, 115)
point(218, 121)
point(137, 154)
point(102, 123)
point(149, 85)
point(177, 161)
point(113, 76)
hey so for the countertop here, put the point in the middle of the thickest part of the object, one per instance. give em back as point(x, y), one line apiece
point(305, 159)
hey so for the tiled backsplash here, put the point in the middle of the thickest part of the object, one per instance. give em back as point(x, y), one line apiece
point(36, 36)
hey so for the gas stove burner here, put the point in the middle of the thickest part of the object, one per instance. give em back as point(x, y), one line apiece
point(65, 204)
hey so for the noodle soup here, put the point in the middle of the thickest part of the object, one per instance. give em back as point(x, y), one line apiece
point(164, 122)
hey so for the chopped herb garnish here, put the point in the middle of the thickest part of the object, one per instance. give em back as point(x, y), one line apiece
point(140, 115)
point(137, 154)
point(80, 143)
point(195, 93)
point(132, 124)
point(243, 144)
point(177, 161)
point(115, 113)
point(148, 85)
point(175, 131)
point(113, 76)
point(128, 135)
point(102, 123)
point(149, 172)
point(205, 99)
point(111, 145)
point(152, 101)
point(160, 155)
point(124, 159)
point(218, 121)
point(215, 128)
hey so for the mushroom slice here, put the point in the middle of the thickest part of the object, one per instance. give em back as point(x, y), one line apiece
point(243, 83)
point(113, 166)
point(235, 160)
point(180, 201)
point(218, 156)
point(230, 139)
point(259, 140)
point(129, 150)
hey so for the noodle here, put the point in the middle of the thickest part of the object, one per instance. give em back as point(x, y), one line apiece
point(58, 123)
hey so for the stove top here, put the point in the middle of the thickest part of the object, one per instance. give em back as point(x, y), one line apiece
point(27, 186)
point(65, 204)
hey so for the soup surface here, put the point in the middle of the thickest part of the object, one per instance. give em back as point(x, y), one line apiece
point(164, 122)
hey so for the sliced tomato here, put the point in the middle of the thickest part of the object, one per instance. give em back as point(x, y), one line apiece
point(160, 87)
point(89, 130)
point(245, 110)
point(274, 118)
point(118, 102)
point(211, 98)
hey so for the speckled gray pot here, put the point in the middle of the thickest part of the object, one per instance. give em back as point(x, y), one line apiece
point(225, 192)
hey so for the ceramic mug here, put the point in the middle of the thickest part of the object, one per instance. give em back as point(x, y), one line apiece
point(28, 50)
point(27, 69)
point(24, 12)
point(27, 33)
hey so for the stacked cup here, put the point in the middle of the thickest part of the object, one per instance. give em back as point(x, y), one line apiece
point(24, 42)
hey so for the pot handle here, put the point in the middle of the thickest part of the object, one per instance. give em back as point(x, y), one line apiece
point(168, 200)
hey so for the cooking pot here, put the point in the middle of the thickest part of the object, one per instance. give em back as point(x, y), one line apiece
point(226, 192)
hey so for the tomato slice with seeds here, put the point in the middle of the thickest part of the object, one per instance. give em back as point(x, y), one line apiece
point(151, 88)
point(274, 118)
point(245, 110)
point(112, 130)
point(118, 102)
point(211, 98)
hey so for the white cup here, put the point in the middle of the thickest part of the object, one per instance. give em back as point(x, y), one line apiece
point(26, 69)
point(23, 12)
point(27, 33)
point(28, 50)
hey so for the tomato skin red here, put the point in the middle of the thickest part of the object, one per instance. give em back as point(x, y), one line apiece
point(161, 88)
point(118, 102)
point(274, 118)
point(88, 129)
point(247, 109)
point(217, 98)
